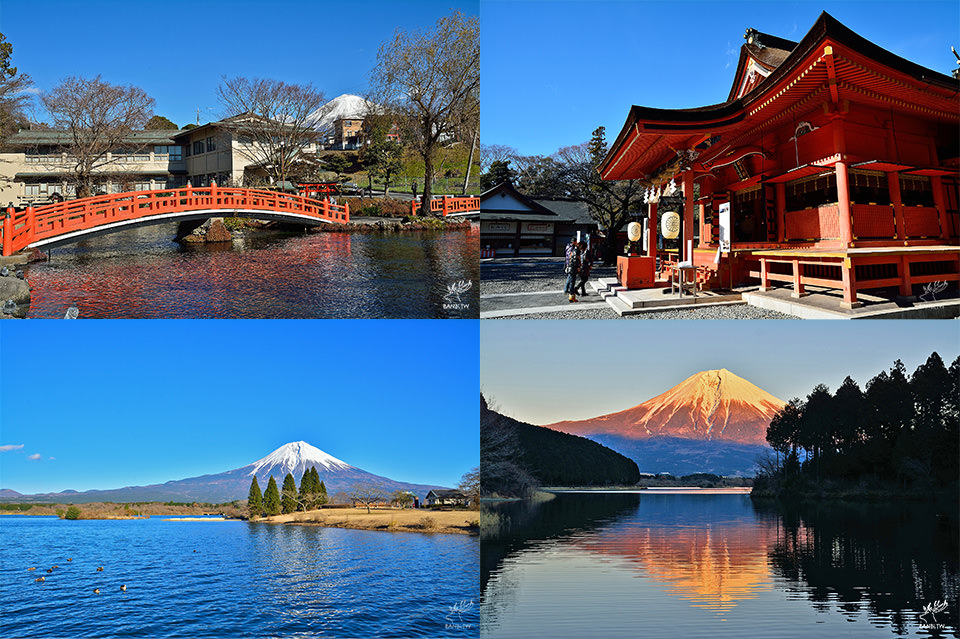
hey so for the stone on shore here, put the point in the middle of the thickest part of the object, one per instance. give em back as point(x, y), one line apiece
point(218, 232)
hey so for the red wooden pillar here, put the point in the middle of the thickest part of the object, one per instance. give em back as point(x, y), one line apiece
point(687, 214)
point(893, 182)
point(652, 231)
point(780, 194)
point(8, 232)
point(906, 284)
point(764, 275)
point(704, 231)
point(843, 204)
point(413, 207)
point(325, 208)
point(213, 192)
point(936, 183)
point(446, 205)
point(849, 276)
point(797, 279)
point(346, 211)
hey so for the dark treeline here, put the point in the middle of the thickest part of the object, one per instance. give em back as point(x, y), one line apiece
point(900, 433)
point(312, 494)
point(515, 457)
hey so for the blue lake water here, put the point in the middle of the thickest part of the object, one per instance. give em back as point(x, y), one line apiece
point(718, 566)
point(233, 579)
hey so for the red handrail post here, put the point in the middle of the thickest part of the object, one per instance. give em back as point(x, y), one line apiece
point(8, 232)
point(31, 216)
point(326, 207)
point(445, 205)
point(413, 207)
point(346, 211)
point(213, 192)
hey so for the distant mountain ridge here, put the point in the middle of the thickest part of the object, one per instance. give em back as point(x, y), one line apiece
point(551, 457)
point(294, 457)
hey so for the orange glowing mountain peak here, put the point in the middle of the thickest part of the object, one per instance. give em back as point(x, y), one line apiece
point(709, 405)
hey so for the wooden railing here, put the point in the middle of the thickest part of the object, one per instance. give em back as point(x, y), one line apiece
point(23, 228)
point(448, 205)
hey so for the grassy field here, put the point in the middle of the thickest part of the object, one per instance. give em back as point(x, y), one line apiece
point(389, 519)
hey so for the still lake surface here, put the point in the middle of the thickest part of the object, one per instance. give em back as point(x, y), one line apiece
point(232, 579)
point(143, 273)
point(687, 565)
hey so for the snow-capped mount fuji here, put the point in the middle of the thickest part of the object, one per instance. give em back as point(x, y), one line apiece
point(341, 107)
point(710, 405)
point(297, 458)
point(294, 458)
point(713, 421)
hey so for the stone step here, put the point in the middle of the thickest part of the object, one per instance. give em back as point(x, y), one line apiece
point(618, 306)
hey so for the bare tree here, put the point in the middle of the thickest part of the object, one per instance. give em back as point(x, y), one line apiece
point(611, 203)
point(274, 122)
point(99, 119)
point(14, 97)
point(367, 494)
point(490, 153)
point(470, 486)
point(430, 80)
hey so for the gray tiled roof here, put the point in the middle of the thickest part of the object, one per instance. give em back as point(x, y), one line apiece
point(31, 137)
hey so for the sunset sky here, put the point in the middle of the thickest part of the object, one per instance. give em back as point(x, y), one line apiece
point(546, 371)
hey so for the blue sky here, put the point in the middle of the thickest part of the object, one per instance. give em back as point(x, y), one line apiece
point(119, 403)
point(177, 50)
point(543, 372)
point(553, 71)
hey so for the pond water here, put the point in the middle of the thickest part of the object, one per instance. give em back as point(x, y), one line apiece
point(232, 579)
point(143, 273)
point(686, 565)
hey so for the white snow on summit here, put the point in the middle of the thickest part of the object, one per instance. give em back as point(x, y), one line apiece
point(289, 456)
point(343, 106)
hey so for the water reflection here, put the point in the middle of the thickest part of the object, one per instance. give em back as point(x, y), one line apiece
point(891, 559)
point(614, 564)
point(141, 273)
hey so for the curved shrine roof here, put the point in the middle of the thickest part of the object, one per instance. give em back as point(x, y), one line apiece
point(831, 63)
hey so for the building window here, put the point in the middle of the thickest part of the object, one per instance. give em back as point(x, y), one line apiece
point(211, 144)
point(198, 147)
point(173, 152)
point(869, 187)
point(811, 192)
point(187, 149)
point(916, 190)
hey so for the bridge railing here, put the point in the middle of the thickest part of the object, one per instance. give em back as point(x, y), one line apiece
point(22, 228)
point(447, 205)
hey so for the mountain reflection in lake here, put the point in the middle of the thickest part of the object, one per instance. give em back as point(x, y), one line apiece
point(691, 565)
point(143, 273)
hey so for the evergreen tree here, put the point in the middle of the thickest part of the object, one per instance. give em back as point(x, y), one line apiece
point(322, 498)
point(304, 498)
point(289, 501)
point(255, 500)
point(271, 498)
point(498, 173)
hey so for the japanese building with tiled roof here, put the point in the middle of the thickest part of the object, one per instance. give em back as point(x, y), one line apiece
point(837, 160)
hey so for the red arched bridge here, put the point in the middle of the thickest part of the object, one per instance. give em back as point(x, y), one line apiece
point(73, 219)
point(452, 206)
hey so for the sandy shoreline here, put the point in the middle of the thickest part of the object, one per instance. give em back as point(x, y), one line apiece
point(388, 519)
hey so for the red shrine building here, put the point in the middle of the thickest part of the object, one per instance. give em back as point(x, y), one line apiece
point(832, 164)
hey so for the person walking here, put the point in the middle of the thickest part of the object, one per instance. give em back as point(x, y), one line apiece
point(572, 267)
point(586, 262)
